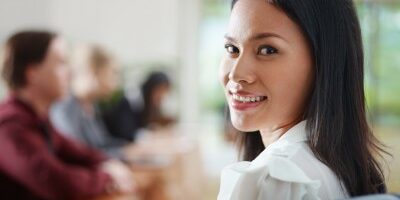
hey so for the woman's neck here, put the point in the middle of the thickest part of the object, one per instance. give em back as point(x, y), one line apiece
point(273, 133)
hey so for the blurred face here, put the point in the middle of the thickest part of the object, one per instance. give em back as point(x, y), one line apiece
point(107, 80)
point(267, 71)
point(49, 78)
point(159, 94)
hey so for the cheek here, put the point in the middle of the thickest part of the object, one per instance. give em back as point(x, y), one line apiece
point(290, 86)
point(106, 79)
point(60, 76)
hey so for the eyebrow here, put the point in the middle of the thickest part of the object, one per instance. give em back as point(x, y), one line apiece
point(258, 36)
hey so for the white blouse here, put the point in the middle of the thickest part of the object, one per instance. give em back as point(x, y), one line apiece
point(286, 170)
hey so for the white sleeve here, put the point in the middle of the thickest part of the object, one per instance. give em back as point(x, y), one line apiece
point(273, 188)
point(286, 181)
point(279, 178)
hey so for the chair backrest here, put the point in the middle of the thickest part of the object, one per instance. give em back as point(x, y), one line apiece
point(378, 197)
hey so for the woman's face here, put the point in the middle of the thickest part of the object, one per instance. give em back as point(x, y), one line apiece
point(158, 94)
point(267, 71)
point(50, 76)
point(107, 79)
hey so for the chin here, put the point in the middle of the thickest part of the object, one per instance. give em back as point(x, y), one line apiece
point(243, 126)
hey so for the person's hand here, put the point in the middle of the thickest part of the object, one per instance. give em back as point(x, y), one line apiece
point(122, 176)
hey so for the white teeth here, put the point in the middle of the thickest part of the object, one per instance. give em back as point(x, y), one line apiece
point(247, 99)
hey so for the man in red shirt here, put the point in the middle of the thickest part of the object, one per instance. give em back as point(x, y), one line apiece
point(36, 162)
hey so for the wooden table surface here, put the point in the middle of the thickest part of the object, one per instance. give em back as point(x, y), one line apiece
point(166, 166)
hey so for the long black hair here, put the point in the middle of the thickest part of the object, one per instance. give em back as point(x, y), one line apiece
point(154, 80)
point(339, 134)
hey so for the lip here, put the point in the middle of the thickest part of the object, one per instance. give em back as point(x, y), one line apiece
point(243, 106)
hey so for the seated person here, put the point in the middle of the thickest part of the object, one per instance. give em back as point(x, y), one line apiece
point(36, 162)
point(93, 78)
point(154, 90)
point(124, 117)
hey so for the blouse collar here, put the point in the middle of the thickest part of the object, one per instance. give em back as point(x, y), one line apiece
point(296, 134)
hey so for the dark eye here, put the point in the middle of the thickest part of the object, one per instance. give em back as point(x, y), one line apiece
point(231, 49)
point(267, 50)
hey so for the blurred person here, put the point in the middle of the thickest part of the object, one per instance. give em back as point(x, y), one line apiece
point(36, 162)
point(94, 77)
point(154, 90)
point(121, 117)
point(293, 79)
point(125, 117)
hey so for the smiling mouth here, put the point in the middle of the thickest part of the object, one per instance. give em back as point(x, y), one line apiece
point(242, 101)
point(248, 99)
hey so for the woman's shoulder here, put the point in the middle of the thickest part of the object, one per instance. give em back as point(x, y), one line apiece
point(295, 163)
point(287, 162)
point(331, 187)
point(285, 171)
point(272, 174)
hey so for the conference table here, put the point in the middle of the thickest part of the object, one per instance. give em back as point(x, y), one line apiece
point(166, 165)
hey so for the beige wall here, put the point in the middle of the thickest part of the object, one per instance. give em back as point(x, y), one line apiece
point(136, 31)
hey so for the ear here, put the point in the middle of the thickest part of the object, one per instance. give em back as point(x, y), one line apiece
point(31, 74)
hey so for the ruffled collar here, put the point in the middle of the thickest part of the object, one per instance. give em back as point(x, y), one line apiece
point(274, 161)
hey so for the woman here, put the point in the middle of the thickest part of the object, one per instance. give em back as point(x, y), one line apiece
point(94, 76)
point(293, 78)
point(125, 117)
point(154, 90)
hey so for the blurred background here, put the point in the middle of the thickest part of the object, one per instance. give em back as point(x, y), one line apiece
point(184, 40)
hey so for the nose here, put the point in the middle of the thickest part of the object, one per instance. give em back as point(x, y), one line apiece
point(241, 71)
